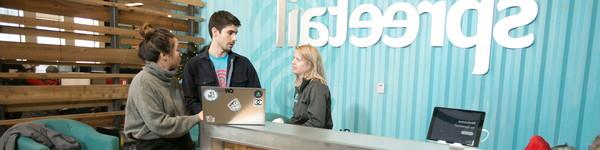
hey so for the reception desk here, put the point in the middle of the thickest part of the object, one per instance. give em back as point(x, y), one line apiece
point(286, 136)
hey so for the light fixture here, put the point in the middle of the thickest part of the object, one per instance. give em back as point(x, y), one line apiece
point(88, 62)
point(134, 4)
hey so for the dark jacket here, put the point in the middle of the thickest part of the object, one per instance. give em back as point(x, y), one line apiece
point(312, 106)
point(200, 71)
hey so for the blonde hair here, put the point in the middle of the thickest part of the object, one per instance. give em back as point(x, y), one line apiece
point(312, 57)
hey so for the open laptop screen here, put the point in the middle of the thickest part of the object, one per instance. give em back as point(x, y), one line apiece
point(233, 105)
point(456, 126)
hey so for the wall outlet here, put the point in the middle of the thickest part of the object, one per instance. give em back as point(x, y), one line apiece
point(380, 88)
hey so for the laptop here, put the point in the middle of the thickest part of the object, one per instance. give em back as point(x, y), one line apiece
point(233, 105)
point(457, 126)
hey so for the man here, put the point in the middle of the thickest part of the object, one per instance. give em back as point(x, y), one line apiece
point(216, 64)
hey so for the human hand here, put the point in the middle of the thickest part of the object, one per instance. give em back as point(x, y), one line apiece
point(201, 115)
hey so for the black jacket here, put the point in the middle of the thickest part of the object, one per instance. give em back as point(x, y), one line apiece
point(200, 71)
point(313, 105)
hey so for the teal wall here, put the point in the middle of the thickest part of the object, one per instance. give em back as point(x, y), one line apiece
point(550, 89)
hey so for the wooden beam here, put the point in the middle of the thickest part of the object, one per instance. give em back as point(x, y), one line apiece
point(42, 52)
point(122, 6)
point(66, 8)
point(154, 4)
point(67, 26)
point(73, 26)
point(69, 35)
point(59, 34)
point(27, 75)
point(57, 106)
point(104, 121)
point(129, 41)
point(12, 95)
point(137, 18)
point(73, 116)
point(190, 2)
point(69, 63)
point(72, 36)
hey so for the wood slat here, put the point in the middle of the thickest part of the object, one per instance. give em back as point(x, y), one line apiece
point(26, 75)
point(136, 42)
point(73, 26)
point(42, 52)
point(157, 4)
point(66, 8)
point(66, 35)
point(73, 116)
point(70, 35)
point(70, 63)
point(56, 106)
point(67, 26)
point(103, 121)
point(66, 54)
point(234, 146)
point(12, 95)
point(121, 6)
point(190, 2)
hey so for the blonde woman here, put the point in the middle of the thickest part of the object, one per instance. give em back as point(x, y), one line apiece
point(312, 105)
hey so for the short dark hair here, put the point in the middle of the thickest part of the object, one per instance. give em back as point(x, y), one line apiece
point(52, 69)
point(156, 41)
point(221, 19)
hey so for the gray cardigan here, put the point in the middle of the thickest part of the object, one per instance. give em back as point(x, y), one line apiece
point(155, 106)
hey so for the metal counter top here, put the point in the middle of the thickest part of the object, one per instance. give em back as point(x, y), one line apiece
point(286, 136)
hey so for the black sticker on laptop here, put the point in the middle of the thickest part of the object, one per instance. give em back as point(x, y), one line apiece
point(210, 95)
point(258, 102)
point(258, 93)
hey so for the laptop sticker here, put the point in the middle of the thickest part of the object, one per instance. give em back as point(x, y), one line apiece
point(234, 105)
point(210, 118)
point(258, 93)
point(258, 102)
point(211, 95)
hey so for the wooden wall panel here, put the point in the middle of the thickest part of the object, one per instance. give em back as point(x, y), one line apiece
point(71, 63)
point(190, 2)
point(57, 7)
point(26, 75)
point(93, 119)
point(66, 35)
point(157, 4)
point(140, 10)
point(74, 26)
point(12, 95)
point(41, 52)
point(71, 36)
point(56, 106)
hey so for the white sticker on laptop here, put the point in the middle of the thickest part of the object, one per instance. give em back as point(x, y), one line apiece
point(234, 105)
point(211, 95)
point(258, 102)
point(210, 118)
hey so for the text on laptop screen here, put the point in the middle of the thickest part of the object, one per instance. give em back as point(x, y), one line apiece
point(456, 126)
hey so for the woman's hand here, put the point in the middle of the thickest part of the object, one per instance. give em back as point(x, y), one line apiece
point(278, 120)
point(201, 115)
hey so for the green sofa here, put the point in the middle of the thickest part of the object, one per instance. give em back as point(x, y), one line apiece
point(88, 138)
